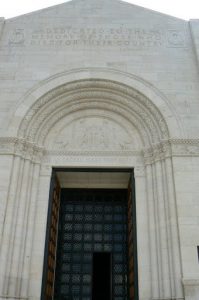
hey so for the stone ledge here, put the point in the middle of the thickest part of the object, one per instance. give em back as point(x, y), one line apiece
point(190, 281)
point(173, 298)
point(159, 151)
point(13, 298)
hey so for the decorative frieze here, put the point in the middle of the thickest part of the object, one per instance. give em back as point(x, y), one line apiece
point(185, 147)
point(22, 148)
point(170, 148)
point(94, 153)
point(159, 151)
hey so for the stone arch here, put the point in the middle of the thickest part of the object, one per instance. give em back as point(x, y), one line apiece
point(94, 94)
point(118, 92)
point(128, 102)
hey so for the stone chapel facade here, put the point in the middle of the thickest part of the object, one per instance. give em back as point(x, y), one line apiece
point(94, 93)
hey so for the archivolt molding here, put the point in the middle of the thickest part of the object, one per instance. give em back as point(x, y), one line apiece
point(110, 93)
point(108, 74)
point(92, 94)
point(104, 108)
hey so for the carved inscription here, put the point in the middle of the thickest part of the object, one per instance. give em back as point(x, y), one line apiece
point(92, 37)
point(109, 37)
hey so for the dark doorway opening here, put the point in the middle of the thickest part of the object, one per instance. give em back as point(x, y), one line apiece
point(102, 276)
point(90, 250)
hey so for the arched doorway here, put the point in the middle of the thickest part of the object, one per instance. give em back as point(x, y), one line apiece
point(134, 135)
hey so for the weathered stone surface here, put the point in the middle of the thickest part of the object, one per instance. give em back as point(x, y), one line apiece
point(95, 83)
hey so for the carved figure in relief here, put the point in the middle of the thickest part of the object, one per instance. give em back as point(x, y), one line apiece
point(94, 133)
point(94, 137)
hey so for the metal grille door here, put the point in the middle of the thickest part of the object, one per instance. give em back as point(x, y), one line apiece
point(90, 221)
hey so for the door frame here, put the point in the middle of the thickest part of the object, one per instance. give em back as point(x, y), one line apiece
point(98, 170)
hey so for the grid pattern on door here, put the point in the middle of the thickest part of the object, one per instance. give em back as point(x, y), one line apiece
point(90, 221)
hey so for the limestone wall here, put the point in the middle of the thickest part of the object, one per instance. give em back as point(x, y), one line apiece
point(194, 28)
point(65, 73)
point(109, 34)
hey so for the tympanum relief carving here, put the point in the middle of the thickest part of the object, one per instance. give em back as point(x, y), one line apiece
point(93, 133)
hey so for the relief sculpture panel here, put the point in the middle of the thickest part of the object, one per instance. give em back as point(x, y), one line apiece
point(94, 134)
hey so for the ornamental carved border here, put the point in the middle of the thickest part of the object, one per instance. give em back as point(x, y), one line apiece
point(104, 107)
point(102, 94)
point(171, 148)
point(22, 148)
point(160, 151)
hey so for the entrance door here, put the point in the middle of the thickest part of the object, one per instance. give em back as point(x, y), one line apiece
point(91, 250)
point(92, 221)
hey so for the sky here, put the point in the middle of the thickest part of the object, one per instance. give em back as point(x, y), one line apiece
point(184, 9)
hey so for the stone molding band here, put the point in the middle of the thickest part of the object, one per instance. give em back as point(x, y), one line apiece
point(168, 298)
point(13, 298)
point(160, 151)
point(190, 281)
point(21, 147)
